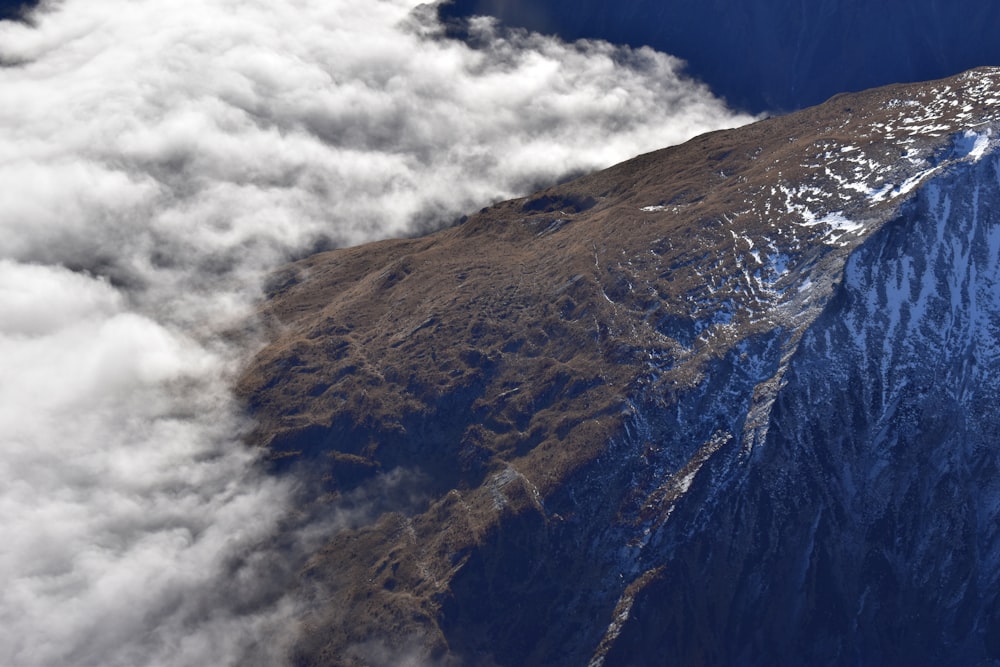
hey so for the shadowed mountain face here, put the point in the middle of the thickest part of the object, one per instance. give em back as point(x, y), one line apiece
point(732, 402)
point(11, 9)
point(778, 54)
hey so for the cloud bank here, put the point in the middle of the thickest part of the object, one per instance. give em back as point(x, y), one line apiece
point(157, 159)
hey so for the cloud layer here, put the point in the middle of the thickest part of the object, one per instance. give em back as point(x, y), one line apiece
point(157, 159)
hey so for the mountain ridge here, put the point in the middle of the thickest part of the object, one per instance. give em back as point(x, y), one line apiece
point(577, 386)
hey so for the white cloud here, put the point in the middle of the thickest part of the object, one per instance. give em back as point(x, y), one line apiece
point(157, 158)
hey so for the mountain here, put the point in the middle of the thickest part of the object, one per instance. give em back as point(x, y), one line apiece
point(11, 9)
point(776, 55)
point(730, 402)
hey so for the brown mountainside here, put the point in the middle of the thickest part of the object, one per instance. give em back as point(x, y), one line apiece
point(529, 392)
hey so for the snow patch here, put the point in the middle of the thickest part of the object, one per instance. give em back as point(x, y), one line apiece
point(974, 144)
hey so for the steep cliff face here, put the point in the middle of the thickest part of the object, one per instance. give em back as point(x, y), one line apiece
point(863, 529)
point(732, 402)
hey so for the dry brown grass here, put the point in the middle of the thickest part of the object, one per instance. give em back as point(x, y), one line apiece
point(512, 342)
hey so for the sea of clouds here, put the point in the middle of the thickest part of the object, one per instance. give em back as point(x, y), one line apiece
point(157, 159)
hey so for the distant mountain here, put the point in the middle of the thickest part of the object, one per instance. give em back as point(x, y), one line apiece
point(777, 55)
point(733, 402)
point(11, 9)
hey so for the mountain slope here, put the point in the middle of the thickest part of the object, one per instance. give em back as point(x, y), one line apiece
point(689, 405)
point(863, 530)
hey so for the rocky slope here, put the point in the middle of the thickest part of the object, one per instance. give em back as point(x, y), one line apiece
point(732, 402)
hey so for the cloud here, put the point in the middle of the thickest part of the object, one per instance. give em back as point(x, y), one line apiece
point(123, 491)
point(157, 159)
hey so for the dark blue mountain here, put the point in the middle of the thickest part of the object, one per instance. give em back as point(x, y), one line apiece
point(777, 55)
point(11, 9)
